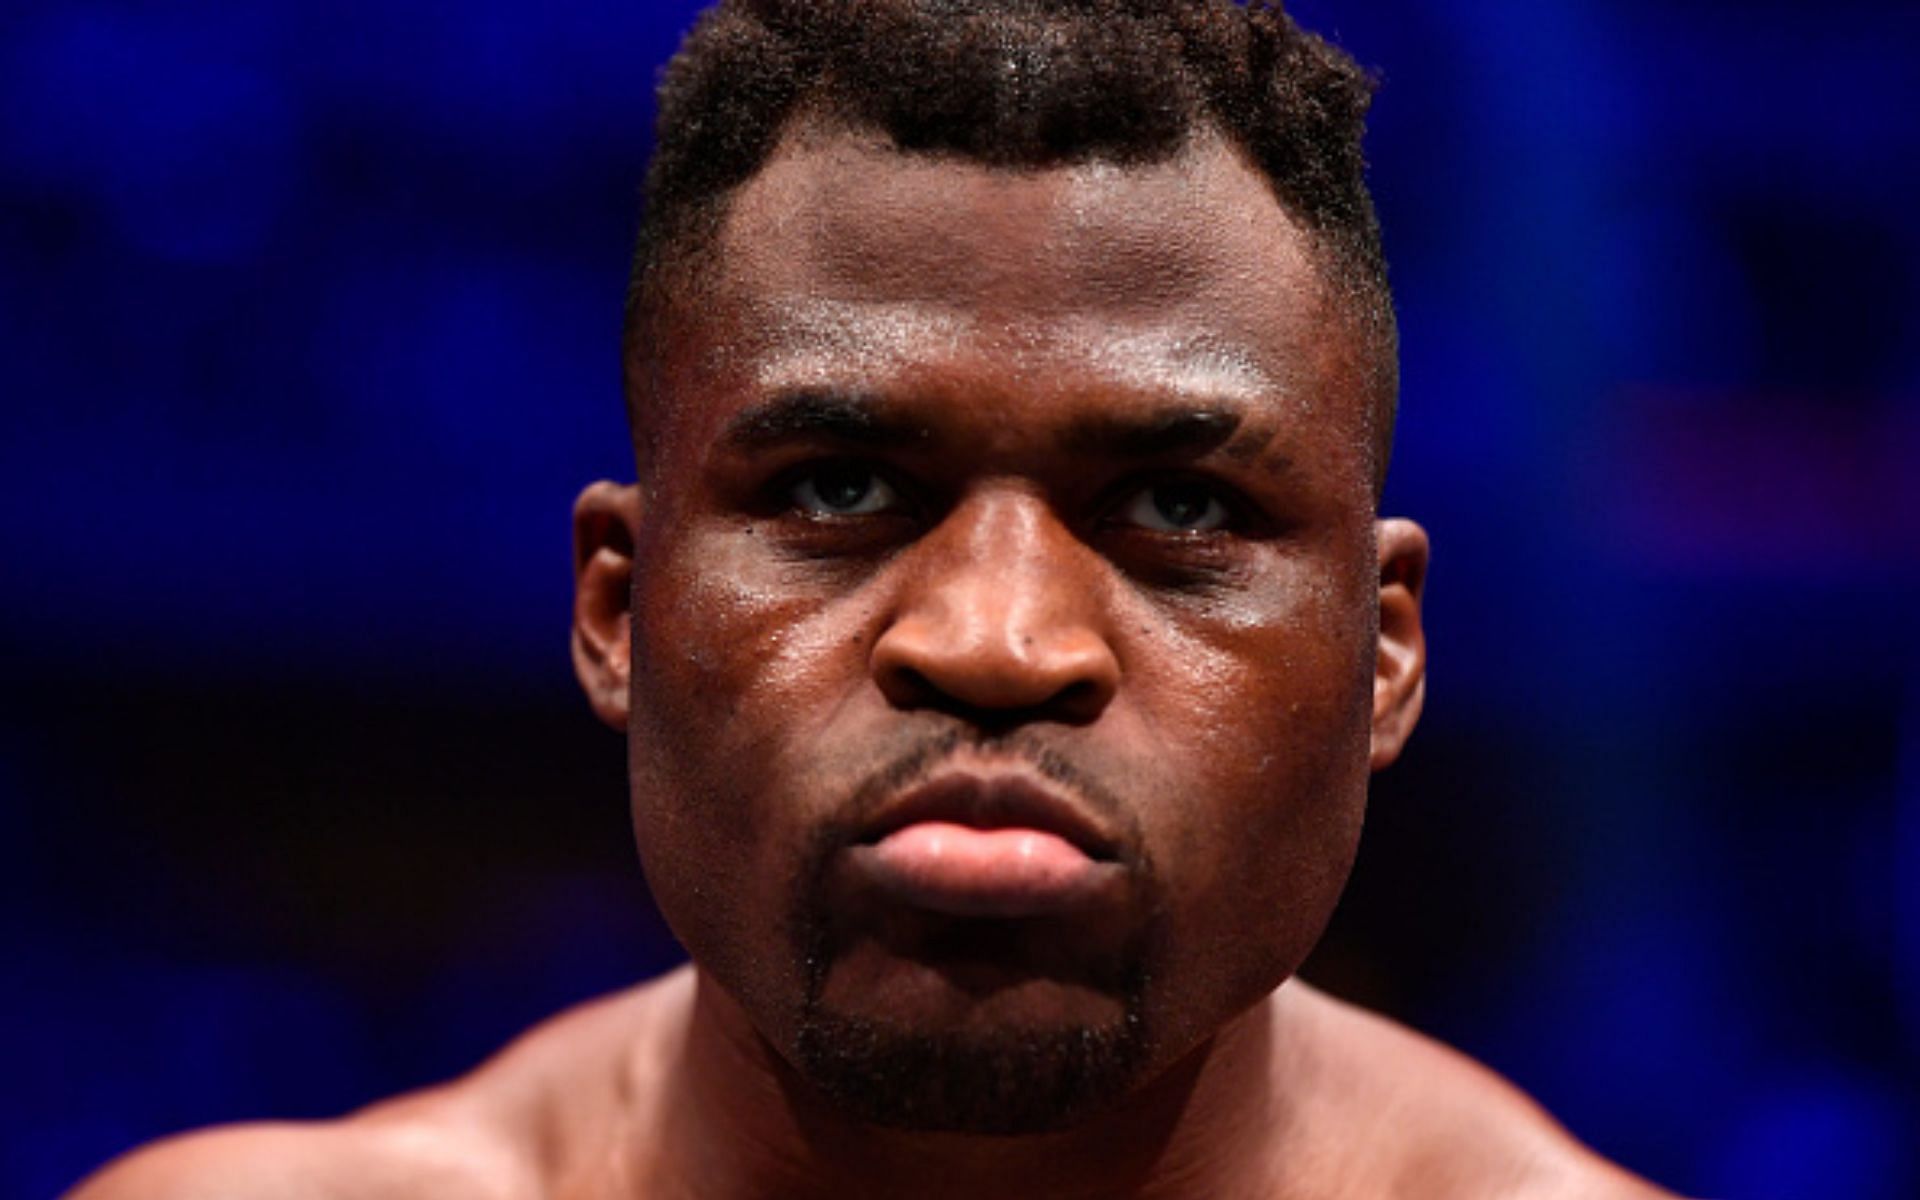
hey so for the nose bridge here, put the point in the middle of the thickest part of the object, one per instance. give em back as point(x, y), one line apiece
point(1000, 610)
point(1003, 565)
point(1004, 575)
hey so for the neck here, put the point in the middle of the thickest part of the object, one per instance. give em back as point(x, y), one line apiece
point(744, 1125)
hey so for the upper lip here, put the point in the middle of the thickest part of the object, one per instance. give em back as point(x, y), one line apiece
point(998, 798)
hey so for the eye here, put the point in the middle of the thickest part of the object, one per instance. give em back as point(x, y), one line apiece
point(1176, 506)
point(842, 489)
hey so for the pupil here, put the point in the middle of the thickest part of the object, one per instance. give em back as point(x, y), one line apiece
point(843, 487)
point(1180, 505)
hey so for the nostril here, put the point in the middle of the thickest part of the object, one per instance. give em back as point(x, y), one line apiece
point(907, 687)
point(1080, 701)
point(1012, 677)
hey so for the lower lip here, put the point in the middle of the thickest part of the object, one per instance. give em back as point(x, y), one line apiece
point(968, 872)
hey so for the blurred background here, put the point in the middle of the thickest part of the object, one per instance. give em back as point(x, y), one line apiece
point(308, 336)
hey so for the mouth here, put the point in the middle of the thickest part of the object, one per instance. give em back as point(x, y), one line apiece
point(1005, 843)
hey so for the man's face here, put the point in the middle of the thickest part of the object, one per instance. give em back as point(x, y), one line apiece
point(1004, 619)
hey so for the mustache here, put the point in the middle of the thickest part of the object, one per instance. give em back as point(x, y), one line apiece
point(818, 932)
point(1026, 747)
point(811, 920)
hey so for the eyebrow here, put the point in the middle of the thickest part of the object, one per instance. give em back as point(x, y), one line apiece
point(1163, 432)
point(822, 416)
point(853, 418)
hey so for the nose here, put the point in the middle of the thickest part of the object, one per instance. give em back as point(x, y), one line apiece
point(1000, 620)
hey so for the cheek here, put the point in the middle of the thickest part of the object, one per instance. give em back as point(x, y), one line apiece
point(731, 643)
point(737, 671)
point(1267, 692)
point(1265, 709)
point(1284, 747)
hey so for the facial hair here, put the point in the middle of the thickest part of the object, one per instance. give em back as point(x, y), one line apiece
point(994, 1081)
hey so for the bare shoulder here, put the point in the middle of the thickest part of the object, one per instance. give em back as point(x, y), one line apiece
point(1435, 1123)
point(298, 1161)
point(498, 1133)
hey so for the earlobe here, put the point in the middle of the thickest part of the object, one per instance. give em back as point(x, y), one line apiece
point(1400, 663)
point(606, 524)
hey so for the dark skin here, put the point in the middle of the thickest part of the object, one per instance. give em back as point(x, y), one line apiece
point(991, 472)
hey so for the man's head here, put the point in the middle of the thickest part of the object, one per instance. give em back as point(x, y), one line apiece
point(1002, 627)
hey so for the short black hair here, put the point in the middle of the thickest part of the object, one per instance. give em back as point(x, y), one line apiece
point(1020, 84)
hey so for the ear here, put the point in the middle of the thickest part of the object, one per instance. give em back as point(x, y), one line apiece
point(606, 523)
point(1400, 663)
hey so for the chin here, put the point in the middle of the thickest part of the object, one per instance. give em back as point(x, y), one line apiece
point(1005, 1081)
point(963, 1044)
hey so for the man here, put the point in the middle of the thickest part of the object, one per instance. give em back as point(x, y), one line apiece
point(1004, 636)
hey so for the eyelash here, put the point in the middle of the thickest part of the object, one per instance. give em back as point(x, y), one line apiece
point(781, 490)
point(1236, 515)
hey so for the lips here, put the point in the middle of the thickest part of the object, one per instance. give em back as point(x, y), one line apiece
point(989, 844)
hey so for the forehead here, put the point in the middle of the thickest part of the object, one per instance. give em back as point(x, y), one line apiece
point(846, 257)
point(845, 206)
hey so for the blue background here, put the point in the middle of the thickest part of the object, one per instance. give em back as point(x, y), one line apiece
point(308, 335)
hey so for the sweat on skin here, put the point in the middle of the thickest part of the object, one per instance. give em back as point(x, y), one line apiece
point(1036, 500)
